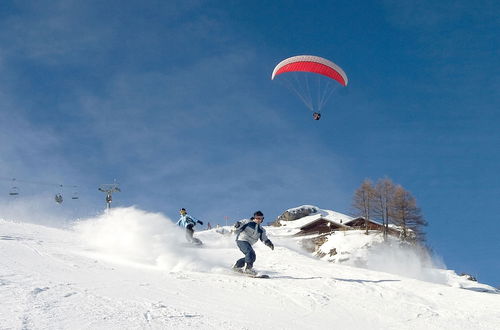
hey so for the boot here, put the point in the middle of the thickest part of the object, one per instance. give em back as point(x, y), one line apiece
point(249, 270)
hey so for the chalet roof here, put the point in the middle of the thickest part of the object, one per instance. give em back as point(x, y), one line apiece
point(362, 218)
point(337, 224)
point(332, 216)
point(392, 227)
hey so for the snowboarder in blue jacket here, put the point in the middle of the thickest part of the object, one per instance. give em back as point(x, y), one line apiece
point(188, 222)
point(247, 234)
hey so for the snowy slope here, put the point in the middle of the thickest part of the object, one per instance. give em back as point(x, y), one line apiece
point(129, 270)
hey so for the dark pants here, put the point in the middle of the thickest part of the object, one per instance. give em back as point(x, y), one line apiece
point(189, 235)
point(249, 253)
point(189, 232)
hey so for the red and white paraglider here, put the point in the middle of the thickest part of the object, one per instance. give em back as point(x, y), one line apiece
point(314, 79)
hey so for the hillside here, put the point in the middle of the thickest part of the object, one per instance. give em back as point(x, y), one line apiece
point(129, 269)
point(330, 236)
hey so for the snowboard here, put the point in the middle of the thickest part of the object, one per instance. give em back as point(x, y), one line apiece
point(196, 243)
point(241, 272)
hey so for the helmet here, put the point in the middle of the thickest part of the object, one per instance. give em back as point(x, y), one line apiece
point(182, 211)
point(258, 214)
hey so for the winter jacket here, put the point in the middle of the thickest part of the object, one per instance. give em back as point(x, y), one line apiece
point(250, 232)
point(186, 220)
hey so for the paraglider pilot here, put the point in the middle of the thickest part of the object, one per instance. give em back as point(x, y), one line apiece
point(316, 116)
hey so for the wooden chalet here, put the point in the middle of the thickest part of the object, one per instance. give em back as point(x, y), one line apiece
point(321, 226)
point(360, 224)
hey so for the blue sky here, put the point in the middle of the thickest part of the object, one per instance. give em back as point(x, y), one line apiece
point(174, 101)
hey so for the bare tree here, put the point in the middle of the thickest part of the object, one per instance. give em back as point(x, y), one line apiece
point(363, 201)
point(407, 215)
point(383, 201)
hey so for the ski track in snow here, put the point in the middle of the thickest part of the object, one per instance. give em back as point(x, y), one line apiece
point(50, 279)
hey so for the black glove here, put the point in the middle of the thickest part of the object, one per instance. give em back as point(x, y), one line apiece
point(237, 224)
point(200, 222)
point(270, 244)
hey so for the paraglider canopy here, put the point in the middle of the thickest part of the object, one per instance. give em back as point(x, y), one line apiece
point(313, 64)
point(314, 79)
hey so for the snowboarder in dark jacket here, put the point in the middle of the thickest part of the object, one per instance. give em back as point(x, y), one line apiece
point(188, 222)
point(247, 234)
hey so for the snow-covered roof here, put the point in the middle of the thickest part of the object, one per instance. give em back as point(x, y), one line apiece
point(372, 221)
point(329, 215)
point(391, 226)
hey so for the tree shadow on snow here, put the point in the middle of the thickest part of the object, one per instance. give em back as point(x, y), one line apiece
point(363, 281)
point(15, 238)
point(494, 291)
point(297, 278)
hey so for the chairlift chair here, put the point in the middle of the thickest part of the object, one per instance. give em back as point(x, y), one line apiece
point(58, 198)
point(14, 191)
point(75, 193)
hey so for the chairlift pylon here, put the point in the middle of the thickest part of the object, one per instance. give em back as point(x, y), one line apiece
point(109, 189)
